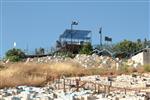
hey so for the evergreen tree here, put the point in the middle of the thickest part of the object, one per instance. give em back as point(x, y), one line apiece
point(15, 55)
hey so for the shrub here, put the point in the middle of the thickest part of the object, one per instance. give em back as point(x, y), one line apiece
point(147, 68)
point(86, 49)
point(124, 69)
point(15, 55)
point(65, 54)
point(2, 67)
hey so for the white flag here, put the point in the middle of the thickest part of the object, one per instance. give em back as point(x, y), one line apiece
point(15, 44)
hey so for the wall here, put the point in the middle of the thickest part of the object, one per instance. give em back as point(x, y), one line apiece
point(146, 54)
point(138, 58)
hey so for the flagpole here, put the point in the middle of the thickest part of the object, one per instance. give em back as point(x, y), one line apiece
point(71, 31)
point(73, 23)
point(100, 35)
point(71, 26)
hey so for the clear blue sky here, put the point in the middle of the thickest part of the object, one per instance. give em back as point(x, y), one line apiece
point(39, 23)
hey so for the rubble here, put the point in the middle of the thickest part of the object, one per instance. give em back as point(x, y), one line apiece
point(86, 61)
point(134, 88)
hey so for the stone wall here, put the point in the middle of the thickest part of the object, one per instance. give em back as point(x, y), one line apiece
point(146, 56)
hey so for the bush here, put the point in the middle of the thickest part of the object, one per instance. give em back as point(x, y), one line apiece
point(147, 68)
point(2, 67)
point(124, 69)
point(65, 54)
point(15, 55)
point(86, 49)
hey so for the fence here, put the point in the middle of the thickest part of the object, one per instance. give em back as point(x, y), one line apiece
point(76, 84)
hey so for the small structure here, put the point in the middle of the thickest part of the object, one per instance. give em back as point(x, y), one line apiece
point(77, 37)
point(72, 40)
point(142, 57)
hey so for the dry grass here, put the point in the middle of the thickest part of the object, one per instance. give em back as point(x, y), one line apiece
point(36, 74)
point(39, 74)
point(20, 74)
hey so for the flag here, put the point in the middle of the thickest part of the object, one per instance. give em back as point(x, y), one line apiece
point(15, 44)
point(74, 23)
point(100, 30)
point(108, 39)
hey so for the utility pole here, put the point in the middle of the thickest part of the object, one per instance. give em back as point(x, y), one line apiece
point(100, 35)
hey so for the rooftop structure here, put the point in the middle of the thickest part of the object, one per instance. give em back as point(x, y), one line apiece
point(72, 40)
point(77, 37)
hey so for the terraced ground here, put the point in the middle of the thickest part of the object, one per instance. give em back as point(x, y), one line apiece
point(37, 74)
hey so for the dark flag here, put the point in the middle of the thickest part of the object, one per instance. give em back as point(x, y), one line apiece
point(74, 23)
point(108, 39)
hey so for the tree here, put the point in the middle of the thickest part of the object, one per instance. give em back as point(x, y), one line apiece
point(139, 41)
point(128, 47)
point(86, 49)
point(15, 55)
point(39, 51)
point(145, 43)
point(139, 44)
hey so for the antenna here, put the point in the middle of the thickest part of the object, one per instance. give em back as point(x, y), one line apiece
point(27, 48)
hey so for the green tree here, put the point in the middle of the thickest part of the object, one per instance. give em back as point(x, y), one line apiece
point(128, 47)
point(139, 45)
point(139, 41)
point(86, 49)
point(15, 55)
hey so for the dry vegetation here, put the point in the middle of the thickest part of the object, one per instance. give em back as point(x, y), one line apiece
point(39, 74)
point(36, 74)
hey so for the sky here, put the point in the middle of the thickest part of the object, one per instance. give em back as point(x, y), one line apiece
point(38, 23)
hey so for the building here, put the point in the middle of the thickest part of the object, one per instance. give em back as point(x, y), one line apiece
point(72, 40)
point(142, 57)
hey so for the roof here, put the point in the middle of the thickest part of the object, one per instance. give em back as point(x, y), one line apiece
point(103, 50)
point(142, 50)
point(76, 34)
